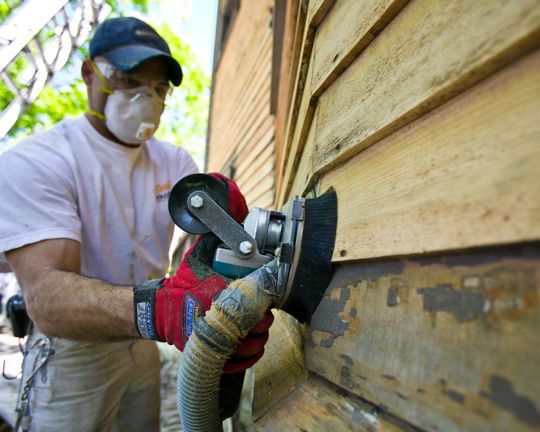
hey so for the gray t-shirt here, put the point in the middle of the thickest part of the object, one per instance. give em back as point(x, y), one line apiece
point(71, 182)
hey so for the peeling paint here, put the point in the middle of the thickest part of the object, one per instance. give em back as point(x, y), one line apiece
point(352, 273)
point(454, 395)
point(346, 379)
point(392, 297)
point(463, 305)
point(346, 359)
point(327, 319)
point(502, 394)
point(483, 256)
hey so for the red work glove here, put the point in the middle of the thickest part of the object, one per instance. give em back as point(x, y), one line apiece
point(166, 310)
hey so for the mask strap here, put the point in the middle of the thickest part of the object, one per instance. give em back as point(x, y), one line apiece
point(105, 89)
point(96, 114)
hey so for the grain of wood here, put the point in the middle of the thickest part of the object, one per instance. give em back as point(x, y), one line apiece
point(249, 168)
point(464, 175)
point(431, 52)
point(446, 342)
point(245, 120)
point(264, 183)
point(246, 82)
point(332, 52)
point(359, 24)
point(263, 199)
point(282, 366)
point(263, 162)
point(316, 406)
point(317, 10)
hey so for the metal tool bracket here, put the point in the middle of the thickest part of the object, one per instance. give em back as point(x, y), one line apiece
point(203, 207)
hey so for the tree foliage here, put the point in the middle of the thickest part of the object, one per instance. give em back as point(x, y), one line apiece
point(184, 120)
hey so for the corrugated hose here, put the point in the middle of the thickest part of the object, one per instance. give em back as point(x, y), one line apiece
point(215, 337)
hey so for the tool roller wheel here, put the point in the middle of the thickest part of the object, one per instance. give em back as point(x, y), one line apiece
point(178, 205)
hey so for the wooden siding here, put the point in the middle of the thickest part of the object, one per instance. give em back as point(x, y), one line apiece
point(242, 129)
point(424, 117)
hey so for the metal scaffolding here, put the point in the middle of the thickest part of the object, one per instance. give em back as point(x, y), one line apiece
point(36, 41)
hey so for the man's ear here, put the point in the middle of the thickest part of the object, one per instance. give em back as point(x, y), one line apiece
point(87, 72)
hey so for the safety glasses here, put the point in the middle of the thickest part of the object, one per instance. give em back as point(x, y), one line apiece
point(130, 80)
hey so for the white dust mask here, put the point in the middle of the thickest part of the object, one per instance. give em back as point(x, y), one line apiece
point(132, 115)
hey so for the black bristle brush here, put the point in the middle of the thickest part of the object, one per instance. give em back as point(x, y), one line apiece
point(314, 269)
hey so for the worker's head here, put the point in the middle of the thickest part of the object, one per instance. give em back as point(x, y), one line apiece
point(128, 75)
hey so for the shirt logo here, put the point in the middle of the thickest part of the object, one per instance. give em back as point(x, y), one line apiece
point(162, 191)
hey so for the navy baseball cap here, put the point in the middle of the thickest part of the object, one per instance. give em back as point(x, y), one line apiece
point(127, 42)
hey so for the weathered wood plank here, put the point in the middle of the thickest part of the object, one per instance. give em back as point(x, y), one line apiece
point(317, 10)
point(289, 64)
point(358, 23)
point(263, 200)
point(241, 77)
point(317, 406)
point(431, 52)
point(465, 175)
point(301, 130)
point(447, 342)
point(241, 138)
point(264, 182)
point(249, 105)
point(250, 169)
point(282, 366)
point(256, 150)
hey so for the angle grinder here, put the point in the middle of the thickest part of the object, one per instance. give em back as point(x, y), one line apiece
point(301, 236)
point(197, 205)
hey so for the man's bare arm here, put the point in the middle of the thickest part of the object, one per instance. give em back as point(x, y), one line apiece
point(63, 303)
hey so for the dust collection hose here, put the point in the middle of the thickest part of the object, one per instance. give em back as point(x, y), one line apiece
point(215, 337)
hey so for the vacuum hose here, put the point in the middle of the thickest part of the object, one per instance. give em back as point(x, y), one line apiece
point(215, 337)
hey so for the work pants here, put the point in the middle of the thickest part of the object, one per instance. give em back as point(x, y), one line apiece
point(86, 386)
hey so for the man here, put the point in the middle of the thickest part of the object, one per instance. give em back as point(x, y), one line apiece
point(83, 220)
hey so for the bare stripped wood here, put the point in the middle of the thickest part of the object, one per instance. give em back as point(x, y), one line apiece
point(250, 149)
point(316, 406)
point(239, 77)
point(317, 10)
point(248, 142)
point(240, 131)
point(264, 182)
point(251, 20)
point(263, 177)
point(247, 105)
point(298, 92)
point(429, 53)
point(302, 175)
point(250, 137)
point(446, 342)
point(359, 23)
point(246, 82)
point(262, 134)
point(301, 130)
point(261, 199)
point(465, 175)
point(294, 27)
point(282, 366)
point(260, 155)
point(287, 73)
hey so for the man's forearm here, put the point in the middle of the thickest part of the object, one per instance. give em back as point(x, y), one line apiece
point(69, 305)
